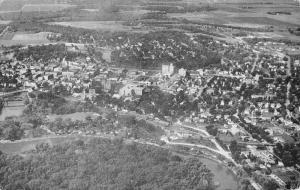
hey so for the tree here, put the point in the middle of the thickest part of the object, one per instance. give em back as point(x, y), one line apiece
point(102, 163)
point(11, 130)
point(270, 184)
point(287, 158)
point(233, 146)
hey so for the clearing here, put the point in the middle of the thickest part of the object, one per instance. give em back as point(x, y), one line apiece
point(80, 116)
point(96, 25)
point(45, 7)
point(21, 38)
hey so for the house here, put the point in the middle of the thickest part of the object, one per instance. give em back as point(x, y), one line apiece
point(57, 69)
point(28, 84)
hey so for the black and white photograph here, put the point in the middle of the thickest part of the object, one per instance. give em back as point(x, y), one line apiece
point(149, 94)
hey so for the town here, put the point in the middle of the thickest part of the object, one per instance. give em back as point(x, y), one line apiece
point(235, 101)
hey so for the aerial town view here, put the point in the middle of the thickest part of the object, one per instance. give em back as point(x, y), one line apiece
point(149, 94)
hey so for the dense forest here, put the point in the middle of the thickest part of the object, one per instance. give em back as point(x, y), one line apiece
point(102, 164)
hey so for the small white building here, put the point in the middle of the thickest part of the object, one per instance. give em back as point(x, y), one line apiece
point(167, 69)
point(182, 72)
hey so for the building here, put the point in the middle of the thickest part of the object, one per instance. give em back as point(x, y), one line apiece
point(167, 69)
point(182, 72)
point(129, 89)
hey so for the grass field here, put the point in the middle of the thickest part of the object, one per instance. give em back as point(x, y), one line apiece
point(5, 22)
point(45, 7)
point(96, 25)
point(80, 116)
point(21, 38)
point(19, 147)
point(11, 5)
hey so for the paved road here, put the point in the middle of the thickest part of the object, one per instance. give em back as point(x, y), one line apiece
point(255, 62)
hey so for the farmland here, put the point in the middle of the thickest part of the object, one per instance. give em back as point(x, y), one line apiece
point(21, 38)
point(45, 7)
point(96, 25)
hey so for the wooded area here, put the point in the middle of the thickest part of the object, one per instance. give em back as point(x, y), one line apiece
point(102, 164)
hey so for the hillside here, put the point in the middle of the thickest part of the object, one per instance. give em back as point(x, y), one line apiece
point(102, 164)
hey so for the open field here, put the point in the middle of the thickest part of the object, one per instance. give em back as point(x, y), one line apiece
point(241, 1)
point(45, 7)
point(24, 38)
point(11, 5)
point(17, 148)
point(17, 5)
point(80, 116)
point(5, 22)
point(42, 36)
point(242, 18)
point(96, 25)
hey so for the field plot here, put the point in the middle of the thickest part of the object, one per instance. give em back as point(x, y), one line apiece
point(45, 7)
point(244, 18)
point(242, 1)
point(96, 25)
point(258, 21)
point(12, 5)
point(25, 39)
point(4, 22)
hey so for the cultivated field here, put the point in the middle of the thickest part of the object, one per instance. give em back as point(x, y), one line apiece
point(11, 5)
point(45, 7)
point(24, 39)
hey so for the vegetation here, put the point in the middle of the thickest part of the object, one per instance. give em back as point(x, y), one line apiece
point(212, 130)
point(11, 130)
point(289, 153)
point(151, 49)
point(102, 164)
point(45, 53)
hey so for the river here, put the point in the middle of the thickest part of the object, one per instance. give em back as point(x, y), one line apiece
point(222, 174)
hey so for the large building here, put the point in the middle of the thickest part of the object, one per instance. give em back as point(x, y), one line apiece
point(167, 69)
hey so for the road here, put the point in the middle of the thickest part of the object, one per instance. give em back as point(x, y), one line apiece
point(202, 132)
point(255, 62)
point(288, 86)
point(13, 92)
point(219, 150)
